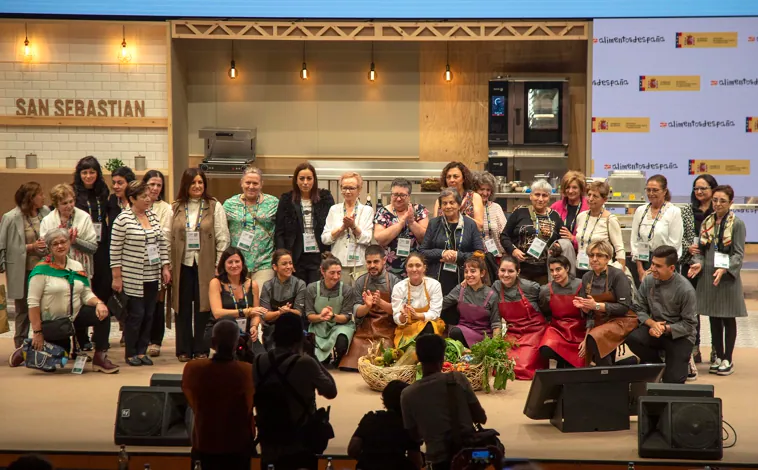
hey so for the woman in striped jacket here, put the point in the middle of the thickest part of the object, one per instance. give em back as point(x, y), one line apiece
point(139, 258)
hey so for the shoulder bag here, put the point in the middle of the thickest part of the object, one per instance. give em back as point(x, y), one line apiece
point(61, 329)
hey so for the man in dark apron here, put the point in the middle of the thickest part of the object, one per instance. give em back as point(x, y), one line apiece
point(373, 311)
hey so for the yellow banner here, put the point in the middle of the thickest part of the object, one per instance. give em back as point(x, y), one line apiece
point(720, 167)
point(669, 83)
point(620, 124)
point(690, 40)
point(751, 124)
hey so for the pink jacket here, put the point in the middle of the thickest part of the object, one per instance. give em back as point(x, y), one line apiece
point(562, 208)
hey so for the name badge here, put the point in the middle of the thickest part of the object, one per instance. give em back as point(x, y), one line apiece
point(193, 241)
point(721, 260)
point(403, 247)
point(81, 361)
point(98, 230)
point(153, 254)
point(450, 267)
point(491, 247)
point(643, 251)
point(582, 260)
point(242, 323)
point(696, 241)
point(352, 252)
point(537, 247)
point(309, 243)
point(245, 241)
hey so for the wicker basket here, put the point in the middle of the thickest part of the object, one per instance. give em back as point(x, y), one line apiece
point(378, 377)
point(475, 376)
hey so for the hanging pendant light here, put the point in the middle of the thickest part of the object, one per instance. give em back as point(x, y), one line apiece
point(233, 73)
point(448, 73)
point(372, 72)
point(304, 71)
point(27, 47)
point(124, 56)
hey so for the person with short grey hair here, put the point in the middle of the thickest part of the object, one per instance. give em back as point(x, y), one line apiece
point(494, 217)
point(531, 231)
point(400, 226)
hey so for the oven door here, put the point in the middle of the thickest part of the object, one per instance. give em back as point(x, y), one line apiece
point(540, 111)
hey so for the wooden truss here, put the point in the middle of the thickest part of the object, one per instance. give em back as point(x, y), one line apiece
point(381, 31)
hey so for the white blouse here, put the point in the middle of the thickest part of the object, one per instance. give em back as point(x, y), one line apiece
point(364, 220)
point(220, 227)
point(668, 231)
point(51, 294)
point(599, 228)
point(162, 210)
point(418, 298)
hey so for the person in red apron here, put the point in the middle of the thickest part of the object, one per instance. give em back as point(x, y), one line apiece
point(373, 309)
point(567, 328)
point(477, 305)
point(284, 293)
point(525, 325)
point(606, 298)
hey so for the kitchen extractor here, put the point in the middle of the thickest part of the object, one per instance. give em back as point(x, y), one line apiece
point(227, 151)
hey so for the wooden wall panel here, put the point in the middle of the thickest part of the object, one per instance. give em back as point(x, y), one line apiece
point(453, 116)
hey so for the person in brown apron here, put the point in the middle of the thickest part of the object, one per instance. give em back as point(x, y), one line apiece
point(373, 312)
point(284, 293)
point(416, 303)
point(606, 298)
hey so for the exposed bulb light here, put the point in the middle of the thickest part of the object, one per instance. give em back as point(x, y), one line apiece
point(304, 72)
point(124, 55)
point(448, 74)
point(27, 47)
point(372, 73)
point(233, 73)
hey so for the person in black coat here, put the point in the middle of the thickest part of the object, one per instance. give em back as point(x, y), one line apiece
point(300, 219)
point(449, 241)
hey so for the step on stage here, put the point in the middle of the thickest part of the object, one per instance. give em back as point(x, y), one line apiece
point(63, 412)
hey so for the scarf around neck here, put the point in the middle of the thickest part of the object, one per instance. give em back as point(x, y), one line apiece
point(723, 236)
point(47, 267)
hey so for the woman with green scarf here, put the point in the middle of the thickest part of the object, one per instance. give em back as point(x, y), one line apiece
point(59, 291)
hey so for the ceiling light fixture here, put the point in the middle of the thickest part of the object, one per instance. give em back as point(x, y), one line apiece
point(27, 48)
point(233, 68)
point(124, 55)
point(372, 72)
point(448, 73)
point(304, 70)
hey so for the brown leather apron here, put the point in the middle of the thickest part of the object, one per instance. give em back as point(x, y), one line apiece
point(609, 332)
point(377, 325)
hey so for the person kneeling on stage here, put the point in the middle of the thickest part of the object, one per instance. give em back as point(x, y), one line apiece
point(666, 311)
point(477, 305)
point(220, 392)
point(373, 310)
point(416, 303)
point(567, 328)
point(59, 288)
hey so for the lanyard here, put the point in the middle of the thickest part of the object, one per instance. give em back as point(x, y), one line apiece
point(199, 215)
point(31, 226)
point(655, 221)
point(151, 229)
point(121, 205)
point(99, 211)
point(535, 221)
point(356, 211)
point(307, 228)
point(254, 215)
point(447, 232)
point(487, 229)
point(576, 213)
point(234, 298)
point(584, 230)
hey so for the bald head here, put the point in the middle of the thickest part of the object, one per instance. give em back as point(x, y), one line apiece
point(225, 337)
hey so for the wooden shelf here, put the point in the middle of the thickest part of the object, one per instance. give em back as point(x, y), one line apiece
point(79, 121)
point(67, 171)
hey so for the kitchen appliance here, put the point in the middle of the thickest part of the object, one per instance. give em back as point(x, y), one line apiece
point(626, 185)
point(227, 151)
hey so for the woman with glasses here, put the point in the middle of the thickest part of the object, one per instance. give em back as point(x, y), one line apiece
point(606, 300)
point(399, 226)
point(693, 215)
point(252, 218)
point(349, 228)
point(457, 176)
point(300, 219)
point(597, 224)
point(656, 223)
point(494, 218)
point(718, 264)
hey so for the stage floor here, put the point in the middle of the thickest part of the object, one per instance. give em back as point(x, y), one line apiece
point(65, 412)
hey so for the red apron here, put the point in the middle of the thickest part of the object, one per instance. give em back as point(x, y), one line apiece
point(475, 319)
point(525, 327)
point(567, 328)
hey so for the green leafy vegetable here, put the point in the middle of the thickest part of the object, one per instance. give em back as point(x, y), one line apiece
point(493, 354)
point(453, 350)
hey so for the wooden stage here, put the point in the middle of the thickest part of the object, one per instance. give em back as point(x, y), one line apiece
point(63, 412)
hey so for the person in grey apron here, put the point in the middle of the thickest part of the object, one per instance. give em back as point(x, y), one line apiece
point(329, 306)
point(284, 293)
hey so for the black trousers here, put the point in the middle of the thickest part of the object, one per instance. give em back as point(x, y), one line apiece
point(308, 267)
point(723, 329)
point(139, 320)
point(101, 329)
point(456, 334)
point(158, 330)
point(190, 340)
point(648, 349)
point(594, 354)
point(300, 461)
point(548, 353)
point(210, 461)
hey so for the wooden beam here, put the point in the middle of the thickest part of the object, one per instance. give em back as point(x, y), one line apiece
point(381, 31)
point(79, 121)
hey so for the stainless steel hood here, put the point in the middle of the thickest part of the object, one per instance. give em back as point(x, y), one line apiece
point(227, 150)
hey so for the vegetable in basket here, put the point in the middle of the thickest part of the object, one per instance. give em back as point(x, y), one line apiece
point(493, 354)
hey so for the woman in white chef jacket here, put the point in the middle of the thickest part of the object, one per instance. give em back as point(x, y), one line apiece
point(349, 228)
point(655, 224)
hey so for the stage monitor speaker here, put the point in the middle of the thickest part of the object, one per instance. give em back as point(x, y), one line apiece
point(680, 428)
point(166, 380)
point(153, 416)
point(679, 390)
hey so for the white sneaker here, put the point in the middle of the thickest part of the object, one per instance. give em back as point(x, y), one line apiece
point(692, 374)
point(726, 368)
point(715, 364)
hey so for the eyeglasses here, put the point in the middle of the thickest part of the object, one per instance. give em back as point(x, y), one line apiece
point(699, 189)
point(59, 243)
point(653, 190)
point(349, 188)
point(399, 195)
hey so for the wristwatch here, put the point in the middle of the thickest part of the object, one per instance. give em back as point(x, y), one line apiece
point(37, 332)
point(597, 306)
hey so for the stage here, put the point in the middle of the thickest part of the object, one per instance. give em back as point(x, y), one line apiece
point(63, 412)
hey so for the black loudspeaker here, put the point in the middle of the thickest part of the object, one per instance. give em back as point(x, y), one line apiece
point(679, 390)
point(166, 380)
point(680, 428)
point(153, 416)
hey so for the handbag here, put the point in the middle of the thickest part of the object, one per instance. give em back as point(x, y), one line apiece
point(51, 358)
point(4, 325)
point(481, 437)
point(61, 329)
point(117, 305)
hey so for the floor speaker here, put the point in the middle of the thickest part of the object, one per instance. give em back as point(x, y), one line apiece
point(153, 416)
point(671, 427)
point(678, 390)
point(166, 380)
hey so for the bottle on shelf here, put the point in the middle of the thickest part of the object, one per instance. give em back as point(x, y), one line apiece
point(368, 200)
point(147, 466)
point(198, 465)
point(329, 465)
point(270, 467)
point(123, 459)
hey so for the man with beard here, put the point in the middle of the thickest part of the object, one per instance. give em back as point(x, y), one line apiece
point(373, 312)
